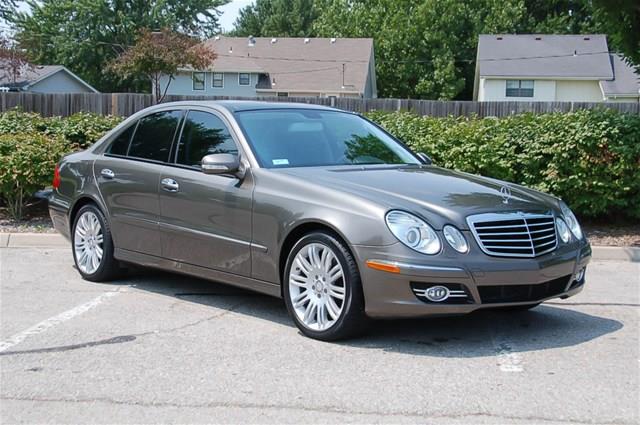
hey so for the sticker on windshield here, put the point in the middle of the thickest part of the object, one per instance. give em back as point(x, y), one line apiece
point(280, 161)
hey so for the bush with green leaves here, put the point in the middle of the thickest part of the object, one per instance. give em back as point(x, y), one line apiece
point(31, 145)
point(27, 162)
point(81, 129)
point(589, 158)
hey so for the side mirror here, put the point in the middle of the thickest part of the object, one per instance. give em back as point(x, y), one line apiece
point(220, 163)
point(426, 159)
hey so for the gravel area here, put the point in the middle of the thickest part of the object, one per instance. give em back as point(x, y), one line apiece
point(37, 221)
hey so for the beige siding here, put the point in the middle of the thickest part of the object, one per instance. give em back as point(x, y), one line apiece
point(578, 91)
point(493, 89)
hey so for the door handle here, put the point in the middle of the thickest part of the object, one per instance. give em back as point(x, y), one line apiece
point(107, 173)
point(170, 185)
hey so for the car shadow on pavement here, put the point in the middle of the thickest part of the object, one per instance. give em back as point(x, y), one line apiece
point(479, 334)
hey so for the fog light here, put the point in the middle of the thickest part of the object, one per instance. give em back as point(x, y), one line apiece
point(580, 275)
point(437, 294)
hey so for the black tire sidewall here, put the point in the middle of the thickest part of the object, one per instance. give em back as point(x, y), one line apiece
point(353, 305)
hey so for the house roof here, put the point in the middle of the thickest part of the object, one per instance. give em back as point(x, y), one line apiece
point(33, 74)
point(297, 64)
point(545, 56)
point(626, 81)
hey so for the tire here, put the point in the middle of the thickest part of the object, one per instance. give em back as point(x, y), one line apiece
point(89, 224)
point(316, 280)
point(517, 308)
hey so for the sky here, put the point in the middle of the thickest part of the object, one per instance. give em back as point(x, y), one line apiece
point(231, 11)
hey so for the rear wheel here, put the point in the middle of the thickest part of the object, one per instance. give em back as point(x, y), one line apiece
point(322, 288)
point(93, 246)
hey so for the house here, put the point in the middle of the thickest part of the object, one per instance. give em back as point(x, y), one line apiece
point(44, 79)
point(556, 68)
point(255, 67)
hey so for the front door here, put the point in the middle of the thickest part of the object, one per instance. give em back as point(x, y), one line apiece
point(205, 220)
point(128, 176)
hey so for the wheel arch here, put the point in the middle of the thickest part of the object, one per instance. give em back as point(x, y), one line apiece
point(297, 232)
point(79, 203)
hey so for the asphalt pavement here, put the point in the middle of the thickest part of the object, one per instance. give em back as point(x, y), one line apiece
point(161, 348)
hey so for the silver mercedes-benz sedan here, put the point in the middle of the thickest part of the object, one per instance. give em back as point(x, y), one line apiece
point(318, 206)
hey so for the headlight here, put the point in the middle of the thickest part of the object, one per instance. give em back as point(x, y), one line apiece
point(456, 239)
point(413, 232)
point(563, 230)
point(571, 220)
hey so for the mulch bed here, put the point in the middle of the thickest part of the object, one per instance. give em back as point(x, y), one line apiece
point(601, 233)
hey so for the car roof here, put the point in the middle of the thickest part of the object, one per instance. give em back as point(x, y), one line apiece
point(249, 105)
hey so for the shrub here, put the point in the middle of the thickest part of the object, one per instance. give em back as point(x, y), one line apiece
point(27, 161)
point(590, 158)
point(81, 129)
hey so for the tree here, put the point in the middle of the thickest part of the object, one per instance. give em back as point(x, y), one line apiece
point(621, 18)
point(13, 61)
point(6, 7)
point(277, 18)
point(424, 48)
point(85, 35)
point(161, 53)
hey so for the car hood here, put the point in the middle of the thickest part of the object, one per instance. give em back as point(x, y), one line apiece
point(440, 195)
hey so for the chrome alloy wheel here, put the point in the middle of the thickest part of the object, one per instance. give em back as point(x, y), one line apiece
point(317, 287)
point(88, 243)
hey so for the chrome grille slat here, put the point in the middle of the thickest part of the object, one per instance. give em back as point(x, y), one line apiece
point(520, 235)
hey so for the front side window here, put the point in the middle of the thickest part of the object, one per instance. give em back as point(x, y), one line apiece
point(519, 88)
point(198, 80)
point(120, 144)
point(244, 79)
point(203, 134)
point(218, 80)
point(305, 138)
point(154, 135)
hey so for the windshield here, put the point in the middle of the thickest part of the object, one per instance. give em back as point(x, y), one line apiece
point(306, 138)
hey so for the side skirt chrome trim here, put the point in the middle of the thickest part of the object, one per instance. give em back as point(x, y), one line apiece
point(146, 260)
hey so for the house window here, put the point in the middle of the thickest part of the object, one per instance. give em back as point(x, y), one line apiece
point(244, 79)
point(283, 94)
point(218, 80)
point(198, 80)
point(519, 88)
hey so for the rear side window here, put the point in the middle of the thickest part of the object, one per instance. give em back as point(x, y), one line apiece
point(121, 143)
point(203, 134)
point(154, 135)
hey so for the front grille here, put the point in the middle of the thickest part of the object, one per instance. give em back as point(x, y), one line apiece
point(514, 234)
point(522, 293)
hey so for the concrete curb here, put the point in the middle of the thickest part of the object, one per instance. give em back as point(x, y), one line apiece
point(616, 253)
point(32, 240)
point(48, 240)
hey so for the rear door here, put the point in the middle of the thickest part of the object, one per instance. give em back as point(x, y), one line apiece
point(205, 219)
point(128, 175)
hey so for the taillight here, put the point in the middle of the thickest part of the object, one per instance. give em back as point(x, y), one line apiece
point(56, 177)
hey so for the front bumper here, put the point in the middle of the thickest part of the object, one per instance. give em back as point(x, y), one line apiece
point(487, 281)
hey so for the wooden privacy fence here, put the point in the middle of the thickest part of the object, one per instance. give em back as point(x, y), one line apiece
point(125, 104)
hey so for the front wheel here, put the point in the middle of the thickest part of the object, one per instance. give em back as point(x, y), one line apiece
point(322, 288)
point(93, 246)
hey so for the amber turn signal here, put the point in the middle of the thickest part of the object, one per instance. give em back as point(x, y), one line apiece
point(385, 267)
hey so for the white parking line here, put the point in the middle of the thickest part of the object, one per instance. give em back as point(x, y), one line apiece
point(508, 360)
point(55, 320)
